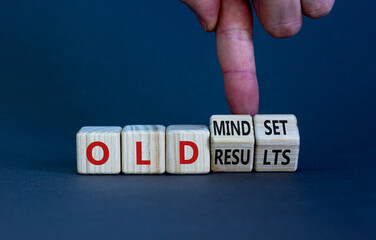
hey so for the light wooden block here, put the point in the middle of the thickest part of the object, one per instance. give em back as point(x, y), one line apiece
point(277, 143)
point(232, 143)
point(143, 149)
point(187, 149)
point(98, 150)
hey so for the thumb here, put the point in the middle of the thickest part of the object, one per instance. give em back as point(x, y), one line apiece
point(206, 11)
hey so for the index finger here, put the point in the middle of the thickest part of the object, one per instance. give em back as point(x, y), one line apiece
point(236, 56)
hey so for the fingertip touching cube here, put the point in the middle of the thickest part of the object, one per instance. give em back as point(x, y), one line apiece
point(232, 143)
point(187, 149)
point(277, 143)
point(143, 149)
point(98, 150)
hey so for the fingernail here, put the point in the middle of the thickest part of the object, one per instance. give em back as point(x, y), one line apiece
point(202, 23)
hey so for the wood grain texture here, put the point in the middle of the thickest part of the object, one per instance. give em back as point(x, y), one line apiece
point(232, 143)
point(277, 143)
point(200, 136)
point(152, 140)
point(110, 136)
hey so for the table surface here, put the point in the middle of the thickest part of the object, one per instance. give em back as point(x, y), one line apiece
point(46, 198)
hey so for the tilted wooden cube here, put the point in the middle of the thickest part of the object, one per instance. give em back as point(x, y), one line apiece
point(187, 149)
point(143, 149)
point(277, 143)
point(98, 150)
point(232, 143)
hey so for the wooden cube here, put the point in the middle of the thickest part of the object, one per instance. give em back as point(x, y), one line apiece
point(187, 149)
point(232, 143)
point(277, 143)
point(143, 149)
point(98, 150)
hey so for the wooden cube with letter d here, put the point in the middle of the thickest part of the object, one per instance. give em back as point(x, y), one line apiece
point(187, 149)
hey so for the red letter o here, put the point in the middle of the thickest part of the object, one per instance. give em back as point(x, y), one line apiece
point(89, 153)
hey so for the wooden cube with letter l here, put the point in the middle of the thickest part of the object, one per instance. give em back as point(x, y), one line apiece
point(187, 149)
point(98, 150)
point(143, 149)
point(232, 143)
point(277, 143)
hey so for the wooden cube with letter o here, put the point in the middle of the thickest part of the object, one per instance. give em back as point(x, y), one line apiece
point(98, 150)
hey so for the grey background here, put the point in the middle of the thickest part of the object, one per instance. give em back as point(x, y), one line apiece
point(66, 64)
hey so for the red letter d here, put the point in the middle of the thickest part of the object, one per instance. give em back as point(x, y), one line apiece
point(182, 152)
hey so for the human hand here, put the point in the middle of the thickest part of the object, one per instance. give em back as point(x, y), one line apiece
point(232, 22)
